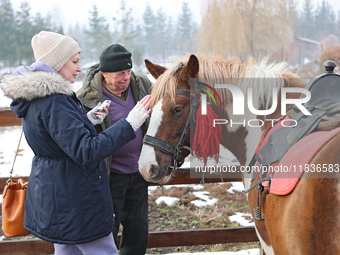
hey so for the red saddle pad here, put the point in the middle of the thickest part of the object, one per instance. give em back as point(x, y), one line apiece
point(288, 172)
point(291, 166)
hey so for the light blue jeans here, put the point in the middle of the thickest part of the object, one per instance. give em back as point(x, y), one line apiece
point(102, 246)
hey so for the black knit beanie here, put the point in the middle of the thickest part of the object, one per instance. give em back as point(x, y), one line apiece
point(115, 58)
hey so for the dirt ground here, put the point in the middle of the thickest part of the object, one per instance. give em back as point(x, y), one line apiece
point(185, 215)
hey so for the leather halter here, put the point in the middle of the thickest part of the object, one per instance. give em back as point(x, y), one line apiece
point(175, 150)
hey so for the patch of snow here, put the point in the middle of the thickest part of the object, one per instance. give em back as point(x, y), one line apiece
point(77, 85)
point(197, 186)
point(309, 40)
point(168, 200)
point(6, 70)
point(2, 238)
point(239, 218)
point(9, 138)
point(243, 252)
point(150, 77)
point(306, 61)
point(152, 189)
point(205, 196)
point(238, 186)
point(5, 102)
point(194, 186)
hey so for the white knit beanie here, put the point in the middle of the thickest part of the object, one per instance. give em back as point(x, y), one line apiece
point(54, 49)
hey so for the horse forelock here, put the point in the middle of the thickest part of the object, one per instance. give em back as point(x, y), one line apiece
point(166, 84)
point(212, 69)
point(259, 73)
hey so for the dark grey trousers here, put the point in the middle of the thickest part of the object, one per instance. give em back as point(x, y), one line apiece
point(130, 201)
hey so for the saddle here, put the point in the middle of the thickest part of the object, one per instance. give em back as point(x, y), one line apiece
point(324, 107)
point(325, 97)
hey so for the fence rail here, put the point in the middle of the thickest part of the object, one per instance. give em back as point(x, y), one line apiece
point(156, 239)
point(181, 178)
point(8, 118)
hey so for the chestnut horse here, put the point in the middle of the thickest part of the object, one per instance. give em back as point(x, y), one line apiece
point(307, 221)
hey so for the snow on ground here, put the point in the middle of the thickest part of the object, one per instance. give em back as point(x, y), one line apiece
point(237, 186)
point(151, 189)
point(205, 199)
point(239, 218)
point(9, 139)
point(193, 186)
point(4, 101)
point(170, 201)
point(244, 252)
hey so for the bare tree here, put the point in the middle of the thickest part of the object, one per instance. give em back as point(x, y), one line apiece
point(246, 27)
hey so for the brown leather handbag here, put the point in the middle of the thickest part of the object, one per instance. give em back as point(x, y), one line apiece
point(13, 205)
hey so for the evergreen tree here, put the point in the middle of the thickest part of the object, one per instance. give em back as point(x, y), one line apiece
point(297, 22)
point(24, 33)
point(127, 32)
point(325, 20)
point(171, 46)
point(149, 30)
point(129, 36)
point(7, 34)
point(138, 50)
point(77, 33)
point(60, 30)
point(160, 39)
point(39, 24)
point(185, 29)
point(307, 20)
point(337, 32)
point(99, 36)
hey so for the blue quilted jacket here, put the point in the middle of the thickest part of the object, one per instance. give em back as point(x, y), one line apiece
point(68, 196)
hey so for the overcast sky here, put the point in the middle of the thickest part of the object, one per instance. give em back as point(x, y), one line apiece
point(77, 11)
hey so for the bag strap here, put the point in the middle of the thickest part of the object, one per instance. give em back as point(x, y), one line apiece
point(16, 153)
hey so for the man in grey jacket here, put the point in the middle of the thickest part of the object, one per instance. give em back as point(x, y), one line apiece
point(112, 79)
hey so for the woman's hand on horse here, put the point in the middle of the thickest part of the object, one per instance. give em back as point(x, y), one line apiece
point(139, 113)
point(146, 102)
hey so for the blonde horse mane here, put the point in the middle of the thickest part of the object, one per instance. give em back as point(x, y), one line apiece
point(217, 70)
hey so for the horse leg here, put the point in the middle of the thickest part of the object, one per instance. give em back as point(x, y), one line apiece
point(260, 226)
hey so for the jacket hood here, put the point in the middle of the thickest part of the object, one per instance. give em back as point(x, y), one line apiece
point(32, 85)
point(24, 88)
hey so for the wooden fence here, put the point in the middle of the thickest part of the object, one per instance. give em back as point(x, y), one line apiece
point(156, 239)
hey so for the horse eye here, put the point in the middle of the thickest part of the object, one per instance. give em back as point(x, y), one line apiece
point(177, 110)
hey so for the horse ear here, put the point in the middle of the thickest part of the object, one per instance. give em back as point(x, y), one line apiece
point(193, 66)
point(155, 70)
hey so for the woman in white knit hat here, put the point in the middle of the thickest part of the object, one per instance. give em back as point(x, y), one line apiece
point(68, 197)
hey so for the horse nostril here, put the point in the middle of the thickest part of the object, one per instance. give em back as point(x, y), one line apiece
point(154, 170)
